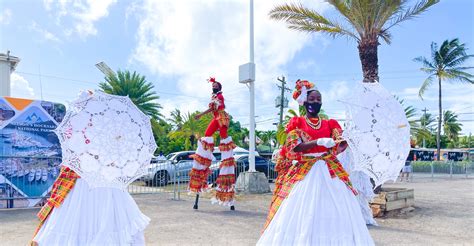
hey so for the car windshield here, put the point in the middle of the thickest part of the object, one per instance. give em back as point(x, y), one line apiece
point(168, 157)
point(218, 156)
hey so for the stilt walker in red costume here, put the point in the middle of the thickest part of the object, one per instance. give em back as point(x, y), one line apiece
point(203, 157)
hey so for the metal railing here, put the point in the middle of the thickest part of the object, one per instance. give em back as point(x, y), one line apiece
point(26, 181)
point(442, 169)
point(165, 176)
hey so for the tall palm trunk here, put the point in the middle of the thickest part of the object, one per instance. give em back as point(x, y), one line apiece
point(368, 57)
point(192, 139)
point(438, 135)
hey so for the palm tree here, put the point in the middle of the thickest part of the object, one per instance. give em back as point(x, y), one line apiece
point(268, 137)
point(445, 64)
point(465, 141)
point(417, 131)
point(451, 126)
point(427, 120)
point(244, 135)
point(191, 129)
point(176, 119)
point(426, 132)
point(368, 20)
point(137, 88)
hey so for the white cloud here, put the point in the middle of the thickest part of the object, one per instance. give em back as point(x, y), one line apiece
point(456, 97)
point(83, 14)
point(193, 40)
point(337, 91)
point(5, 17)
point(21, 87)
point(48, 36)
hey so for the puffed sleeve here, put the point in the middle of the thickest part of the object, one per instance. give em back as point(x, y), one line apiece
point(295, 136)
point(336, 129)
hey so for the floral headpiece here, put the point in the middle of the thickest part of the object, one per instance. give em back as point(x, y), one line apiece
point(301, 91)
point(213, 80)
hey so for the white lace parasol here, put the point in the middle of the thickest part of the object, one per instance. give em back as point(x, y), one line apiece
point(377, 132)
point(106, 139)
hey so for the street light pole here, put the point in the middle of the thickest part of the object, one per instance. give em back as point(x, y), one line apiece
point(252, 99)
point(106, 70)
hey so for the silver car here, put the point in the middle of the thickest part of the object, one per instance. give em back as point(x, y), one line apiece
point(176, 166)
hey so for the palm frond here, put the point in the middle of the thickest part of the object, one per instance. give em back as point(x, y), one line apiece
point(349, 14)
point(425, 86)
point(458, 61)
point(460, 76)
point(386, 36)
point(304, 19)
point(410, 13)
point(135, 86)
point(427, 64)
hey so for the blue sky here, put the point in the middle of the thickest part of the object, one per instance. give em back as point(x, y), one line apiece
point(178, 44)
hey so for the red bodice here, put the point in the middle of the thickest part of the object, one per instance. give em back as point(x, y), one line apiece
point(328, 129)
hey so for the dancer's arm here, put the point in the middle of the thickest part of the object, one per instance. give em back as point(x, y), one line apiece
point(305, 146)
point(198, 116)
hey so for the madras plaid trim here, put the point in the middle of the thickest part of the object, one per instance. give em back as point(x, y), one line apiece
point(222, 118)
point(229, 162)
point(294, 138)
point(225, 188)
point(336, 134)
point(198, 179)
point(227, 147)
point(201, 160)
point(207, 146)
point(225, 196)
point(61, 188)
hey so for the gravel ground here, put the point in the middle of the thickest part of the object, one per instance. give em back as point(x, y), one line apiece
point(443, 215)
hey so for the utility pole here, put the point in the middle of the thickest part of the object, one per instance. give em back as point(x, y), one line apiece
point(282, 104)
point(423, 125)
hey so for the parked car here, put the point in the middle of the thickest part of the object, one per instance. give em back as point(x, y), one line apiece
point(177, 165)
point(238, 151)
point(261, 165)
point(242, 165)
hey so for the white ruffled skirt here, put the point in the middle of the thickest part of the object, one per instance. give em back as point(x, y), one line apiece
point(99, 216)
point(319, 210)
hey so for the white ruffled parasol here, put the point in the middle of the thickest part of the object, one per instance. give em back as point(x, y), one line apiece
point(106, 140)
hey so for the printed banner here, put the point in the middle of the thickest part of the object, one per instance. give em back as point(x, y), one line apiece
point(30, 153)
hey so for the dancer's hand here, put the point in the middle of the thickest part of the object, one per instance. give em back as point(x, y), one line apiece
point(197, 117)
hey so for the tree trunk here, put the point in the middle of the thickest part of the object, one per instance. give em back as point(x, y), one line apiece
point(368, 58)
point(192, 139)
point(438, 134)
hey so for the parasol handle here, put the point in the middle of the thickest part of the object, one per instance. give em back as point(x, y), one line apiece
point(340, 140)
